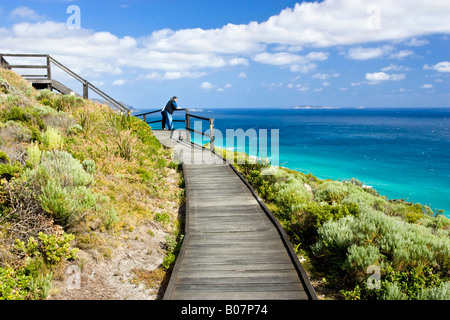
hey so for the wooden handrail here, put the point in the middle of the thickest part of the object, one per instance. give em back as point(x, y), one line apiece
point(86, 84)
point(188, 116)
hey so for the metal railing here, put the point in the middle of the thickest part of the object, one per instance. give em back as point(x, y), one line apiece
point(48, 66)
point(187, 121)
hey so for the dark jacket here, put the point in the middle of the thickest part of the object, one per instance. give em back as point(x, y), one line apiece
point(171, 106)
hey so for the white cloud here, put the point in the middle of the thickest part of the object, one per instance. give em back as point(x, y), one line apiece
point(242, 75)
point(393, 67)
point(361, 53)
point(273, 85)
point(278, 59)
point(297, 63)
point(227, 86)
point(397, 77)
point(169, 54)
point(414, 42)
point(376, 77)
point(367, 53)
point(439, 67)
point(324, 76)
point(238, 61)
point(304, 68)
point(401, 54)
point(26, 13)
point(312, 24)
point(427, 86)
point(174, 75)
point(206, 85)
point(119, 82)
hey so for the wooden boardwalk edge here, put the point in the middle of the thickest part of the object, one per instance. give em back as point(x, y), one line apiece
point(181, 254)
point(288, 245)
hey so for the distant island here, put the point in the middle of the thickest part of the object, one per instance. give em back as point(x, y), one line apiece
point(307, 107)
point(103, 101)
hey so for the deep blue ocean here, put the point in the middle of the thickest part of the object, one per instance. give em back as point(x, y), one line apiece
point(402, 153)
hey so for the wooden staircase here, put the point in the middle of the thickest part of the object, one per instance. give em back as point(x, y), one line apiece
point(45, 81)
point(52, 85)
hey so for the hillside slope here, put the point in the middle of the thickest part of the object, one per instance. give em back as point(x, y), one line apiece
point(90, 202)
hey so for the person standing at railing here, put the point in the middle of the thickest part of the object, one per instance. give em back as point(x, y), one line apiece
point(170, 107)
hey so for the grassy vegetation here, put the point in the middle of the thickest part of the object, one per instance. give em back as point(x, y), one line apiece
point(74, 176)
point(347, 232)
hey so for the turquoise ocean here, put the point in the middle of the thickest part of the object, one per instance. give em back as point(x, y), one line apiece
point(401, 153)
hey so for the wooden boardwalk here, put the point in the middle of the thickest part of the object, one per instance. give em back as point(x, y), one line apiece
point(233, 248)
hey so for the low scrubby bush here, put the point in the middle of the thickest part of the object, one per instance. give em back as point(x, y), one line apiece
point(52, 139)
point(64, 169)
point(21, 284)
point(373, 238)
point(331, 191)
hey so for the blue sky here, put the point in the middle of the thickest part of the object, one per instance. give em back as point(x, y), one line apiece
point(237, 54)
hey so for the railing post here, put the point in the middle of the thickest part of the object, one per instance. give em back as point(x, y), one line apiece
point(49, 69)
point(86, 90)
point(188, 126)
point(211, 129)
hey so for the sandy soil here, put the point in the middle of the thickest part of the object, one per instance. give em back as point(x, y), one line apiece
point(93, 277)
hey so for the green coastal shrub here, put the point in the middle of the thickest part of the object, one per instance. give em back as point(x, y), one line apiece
point(292, 194)
point(359, 258)
point(52, 248)
point(441, 292)
point(89, 166)
point(64, 169)
point(406, 245)
point(393, 292)
point(34, 155)
point(21, 284)
point(8, 171)
point(15, 113)
point(351, 244)
point(52, 139)
point(313, 215)
point(63, 182)
point(66, 205)
point(4, 159)
point(331, 191)
point(43, 110)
